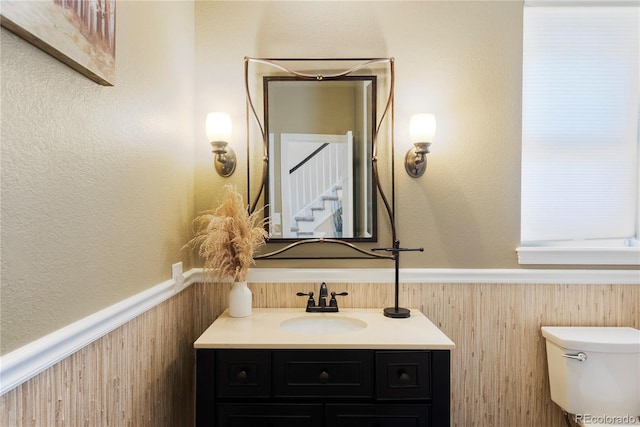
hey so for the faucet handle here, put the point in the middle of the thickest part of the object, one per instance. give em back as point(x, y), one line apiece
point(305, 294)
point(310, 301)
point(333, 302)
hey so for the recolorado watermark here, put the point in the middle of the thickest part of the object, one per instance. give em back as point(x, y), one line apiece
point(606, 419)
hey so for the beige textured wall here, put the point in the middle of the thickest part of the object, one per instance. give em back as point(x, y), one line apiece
point(97, 182)
point(460, 60)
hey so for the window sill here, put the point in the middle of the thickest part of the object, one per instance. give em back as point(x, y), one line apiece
point(579, 255)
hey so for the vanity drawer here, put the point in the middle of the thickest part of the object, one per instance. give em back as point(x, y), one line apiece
point(403, 375)
point(270, 415)
point(244, 373)
point(323, 373)
point(377, 415)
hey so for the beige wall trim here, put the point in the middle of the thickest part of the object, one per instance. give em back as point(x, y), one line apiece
point(521, 276)
point(441, 275)
point(33, 358)
point(27, 361)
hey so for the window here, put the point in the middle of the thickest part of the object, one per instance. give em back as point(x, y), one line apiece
point(580, 156)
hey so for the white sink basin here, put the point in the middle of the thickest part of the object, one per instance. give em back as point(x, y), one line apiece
point(323, 324)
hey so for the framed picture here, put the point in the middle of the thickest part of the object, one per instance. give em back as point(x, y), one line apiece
point(80, 33)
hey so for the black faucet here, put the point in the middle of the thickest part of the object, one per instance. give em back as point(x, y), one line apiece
point(322, 306)
point(322, 299)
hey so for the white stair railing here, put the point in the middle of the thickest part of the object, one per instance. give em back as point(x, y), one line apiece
point(314, 178)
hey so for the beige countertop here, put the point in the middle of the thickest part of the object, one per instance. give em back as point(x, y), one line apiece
point(263, 330)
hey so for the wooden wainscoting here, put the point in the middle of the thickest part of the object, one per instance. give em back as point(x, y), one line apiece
point(498, 369)
point(141, 374)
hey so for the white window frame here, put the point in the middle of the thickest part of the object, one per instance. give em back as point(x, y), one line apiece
point(584, 252)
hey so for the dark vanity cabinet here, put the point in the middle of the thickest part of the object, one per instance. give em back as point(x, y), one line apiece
point(324, 387)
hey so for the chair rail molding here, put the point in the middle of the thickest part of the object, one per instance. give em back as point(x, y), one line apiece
point(442, 275)
point(25, 362)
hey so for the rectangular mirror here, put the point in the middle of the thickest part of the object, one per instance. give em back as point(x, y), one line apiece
point(320, 136)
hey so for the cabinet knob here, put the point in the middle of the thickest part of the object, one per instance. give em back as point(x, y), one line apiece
point(324, 377)
point(404, 378)
point(241, 376)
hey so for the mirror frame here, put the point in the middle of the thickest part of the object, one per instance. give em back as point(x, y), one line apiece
point(354, 252)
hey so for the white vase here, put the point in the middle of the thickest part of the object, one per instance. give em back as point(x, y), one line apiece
point(240, 300)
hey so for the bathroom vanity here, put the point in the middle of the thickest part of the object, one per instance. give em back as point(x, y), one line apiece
point(356, 368)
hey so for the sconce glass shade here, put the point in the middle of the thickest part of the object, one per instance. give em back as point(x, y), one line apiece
point(218, 127)
point(422, 127)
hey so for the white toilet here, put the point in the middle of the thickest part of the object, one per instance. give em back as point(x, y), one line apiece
point(594, 373)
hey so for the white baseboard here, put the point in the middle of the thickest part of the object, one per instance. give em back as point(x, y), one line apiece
point(33, 358)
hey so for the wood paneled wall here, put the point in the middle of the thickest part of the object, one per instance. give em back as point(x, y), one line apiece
point(142, 374)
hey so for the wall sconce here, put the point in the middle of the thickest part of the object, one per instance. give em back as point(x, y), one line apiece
point(218, 127)
point(422, 128)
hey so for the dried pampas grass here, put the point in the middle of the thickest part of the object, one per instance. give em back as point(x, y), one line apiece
point(227, 237)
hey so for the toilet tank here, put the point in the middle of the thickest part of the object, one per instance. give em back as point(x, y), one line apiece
point(607, 382)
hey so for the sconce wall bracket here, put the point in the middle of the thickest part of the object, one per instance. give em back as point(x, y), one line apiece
point(224, 160)
point(415, 161)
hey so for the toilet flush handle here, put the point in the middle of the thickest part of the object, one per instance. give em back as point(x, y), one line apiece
point(580, 356)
